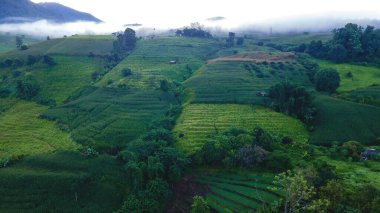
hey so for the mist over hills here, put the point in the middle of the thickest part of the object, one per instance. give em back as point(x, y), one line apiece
point(19, 11)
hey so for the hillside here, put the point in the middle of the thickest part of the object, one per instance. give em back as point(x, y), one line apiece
point(86, 127)
point(16, 11)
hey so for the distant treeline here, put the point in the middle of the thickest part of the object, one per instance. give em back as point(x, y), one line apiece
point(195, 30)
point(350, 43)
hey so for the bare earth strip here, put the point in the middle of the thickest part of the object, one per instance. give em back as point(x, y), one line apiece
point(258, 57)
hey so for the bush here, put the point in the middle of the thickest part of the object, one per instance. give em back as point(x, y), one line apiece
point(16, 73)
point(27, 89)
point(4, 93)
point(24, 47)
point(48, 60)
point(327, 80)
point(126, 72)
point(199, 205)
point(278, 161)
point(352, 149)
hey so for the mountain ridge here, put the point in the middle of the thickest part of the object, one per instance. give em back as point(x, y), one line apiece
point(18, 11)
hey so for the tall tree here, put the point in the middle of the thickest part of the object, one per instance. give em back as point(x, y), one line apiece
point(350, 38)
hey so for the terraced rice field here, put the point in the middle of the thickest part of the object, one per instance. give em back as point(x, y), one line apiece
point(81, 45)
point(232, 82)
point(111, 117)
point(49, 182)
point(239, 193)
point(22, 132)
point(149, 62)
point(199, 122)
point(339, 120)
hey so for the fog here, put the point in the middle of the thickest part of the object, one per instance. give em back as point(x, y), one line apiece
point(217, 25)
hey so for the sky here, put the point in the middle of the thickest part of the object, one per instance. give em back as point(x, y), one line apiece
point(176, 13)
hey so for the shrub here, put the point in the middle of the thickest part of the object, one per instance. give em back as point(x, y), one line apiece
point(27, 89)
point(48, 60)
point(278, 161)
point(16, 73)
point(126, 72)
point(327, 80)
point(199, 205)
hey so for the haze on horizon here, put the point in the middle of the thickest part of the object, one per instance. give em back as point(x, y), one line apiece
point(176, 13)
point(252, 15)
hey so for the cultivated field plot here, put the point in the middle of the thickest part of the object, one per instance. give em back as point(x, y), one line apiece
point(240, 82)
point(363, 76)
point(62, 182)
point(60, 81)
point(111, 117)
point(198, 122)
point(339, 120)
point(239, 193)
point(149, 62)
point(23, 133)
point(81, 45)
point(259, 56)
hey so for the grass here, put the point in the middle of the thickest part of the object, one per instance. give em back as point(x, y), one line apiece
point(111, 117)
point(149, 62)
point(67, 46)
point(363, 76)
point(198, 122)
point(355, 173)
point(232, 82)
point(50, 183)
point(342, 121)
point(8, 42)
point(60, 81)
point(238, 193)
point(23, 133)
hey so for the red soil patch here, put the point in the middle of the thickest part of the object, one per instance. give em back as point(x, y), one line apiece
point(258, 57)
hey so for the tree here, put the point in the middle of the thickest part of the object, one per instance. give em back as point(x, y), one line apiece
point(335, 191)
point(24, 47)
point(352, 149)
point(134, 175)
point(250, 155)
point(298, 193)
point(48, 60)
point(27, 89)
point(126, 72)
point(292, 100)
point(19, 41)
point(350, 38)
point(231, 39)
point(337, 52)
point(31, 60)
point(126, 41)
point(327, 80)
point(240, 41)
point(199, 205)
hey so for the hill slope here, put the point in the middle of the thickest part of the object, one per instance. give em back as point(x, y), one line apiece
point(15, 11)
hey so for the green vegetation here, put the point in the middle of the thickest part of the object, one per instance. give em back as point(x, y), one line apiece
point(109, 118)
point(62, 182)
point(339, 120)
point(188, 54)
point(198, 122)
point(24, 133)
point(362, 76)
point(80, 45)
point(190, 123)
point(58, 82)
point(239, 192)
point(240, 82)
